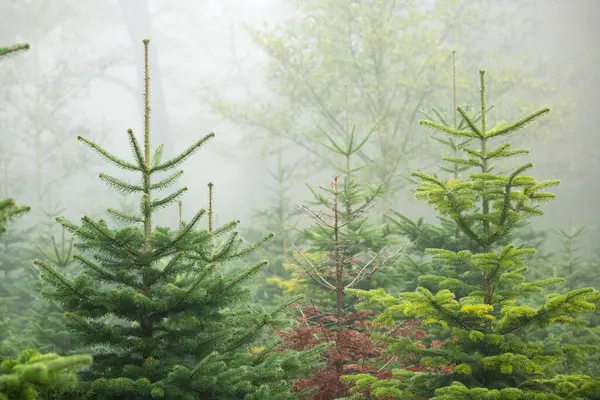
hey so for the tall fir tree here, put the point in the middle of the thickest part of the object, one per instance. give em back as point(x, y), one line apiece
point(486, 327)
point(178, 327)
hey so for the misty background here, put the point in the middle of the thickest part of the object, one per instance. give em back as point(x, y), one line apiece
point(82, 76)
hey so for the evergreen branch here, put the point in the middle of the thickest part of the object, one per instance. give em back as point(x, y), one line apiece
point(580, 300)
point(246, 274)
point(442, 141)
point(476, 131)
point(246, 338)
point(183, 233)
point(365, 139)
point(167, 269)
point(336, 148)
point(226, 247)
point(458, 217)
point(447, 129)
point(106, 276)
point(166, 182)
point(225, 228)
point(190, 290)
point(463, 161)
point(202, 363)
point(250, 248)
point(137, 152)
point(164, 202)
point(506, 204)
point(121, 186)
point(157, 155)
point(125, 217)
point(59, 277)
point(180, 158)
point(110, 237)
point(113, 159)
point(439, 116)
point(13, 48)
point(321, 199)
point(9, 211)
point(71, 227)
point(516, 125)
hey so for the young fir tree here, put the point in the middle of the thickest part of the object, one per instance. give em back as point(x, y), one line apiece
point(342, 265)
point(180, 328)
point(487, 327)
point(278, 216)
point(46, 326)
point(357, 230)
point(569, 261)
point(344, 250)
point(417, 268)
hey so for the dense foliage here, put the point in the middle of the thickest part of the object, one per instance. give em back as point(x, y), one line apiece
point(483, 305)
point(477, 304)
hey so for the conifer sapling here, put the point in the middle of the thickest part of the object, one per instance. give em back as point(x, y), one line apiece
point(487, 326)
point(154, 304)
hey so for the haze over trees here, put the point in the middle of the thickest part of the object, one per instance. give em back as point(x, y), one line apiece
point(369, 199)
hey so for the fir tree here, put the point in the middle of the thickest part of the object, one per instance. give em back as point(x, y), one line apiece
point(417, 268)
point(488, 326)
point(568, 260)
point(348, 225)
point(278, 216)
point(344, 250)
point(180, 328)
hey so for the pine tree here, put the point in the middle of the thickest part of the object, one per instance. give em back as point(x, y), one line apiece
point(153, 303)
point(487, 327)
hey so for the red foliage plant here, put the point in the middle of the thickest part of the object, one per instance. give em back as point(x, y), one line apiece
point(352, 351)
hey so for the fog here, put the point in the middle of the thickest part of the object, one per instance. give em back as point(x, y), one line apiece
point(82, 76)
point(362, 221)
